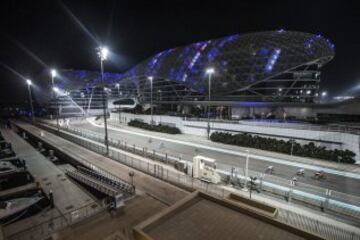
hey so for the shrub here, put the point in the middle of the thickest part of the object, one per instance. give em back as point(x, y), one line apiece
point(155, 128)
point(275, 145)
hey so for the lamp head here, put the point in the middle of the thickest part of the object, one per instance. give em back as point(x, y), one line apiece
point(28, 81)
point(103, 53)
point(210, 70)
point(53, 73)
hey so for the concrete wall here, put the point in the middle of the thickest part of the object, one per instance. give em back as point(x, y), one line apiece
point(332, 140)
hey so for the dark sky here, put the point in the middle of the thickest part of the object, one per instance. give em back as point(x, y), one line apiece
point(135, 30)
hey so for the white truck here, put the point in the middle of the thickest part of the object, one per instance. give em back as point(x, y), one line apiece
point(204, 168)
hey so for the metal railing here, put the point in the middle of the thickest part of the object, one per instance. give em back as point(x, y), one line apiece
point(178, 178)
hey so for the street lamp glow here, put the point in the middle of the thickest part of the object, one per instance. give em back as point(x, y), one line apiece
point(210, 71)
point(28, 81)
point(308, 92)
point(117, 85)
point(324, 94)
point(103, 53)
point(280, 89)
point(55, 89)
point(151, 97)
point(53, 73)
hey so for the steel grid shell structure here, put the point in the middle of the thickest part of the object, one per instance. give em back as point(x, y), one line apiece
point(261, 66)
point(265, 66)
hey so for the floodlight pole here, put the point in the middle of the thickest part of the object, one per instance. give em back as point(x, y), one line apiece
point(31, 103)
point(152, 111)
point(208, 110)
point(246, 170)
point(53, 74)
point(106, 141)
point(151, 100)
point(118, 88)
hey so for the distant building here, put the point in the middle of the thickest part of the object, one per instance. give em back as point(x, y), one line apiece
point(273, 66)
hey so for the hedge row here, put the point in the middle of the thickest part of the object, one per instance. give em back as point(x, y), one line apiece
point(275, 145)
point(155, 128)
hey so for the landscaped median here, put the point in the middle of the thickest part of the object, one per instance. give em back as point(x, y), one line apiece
point(288, 147)
point(155, 128)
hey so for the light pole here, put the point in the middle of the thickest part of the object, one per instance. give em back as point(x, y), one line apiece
point(53, 75)
point(29, 83)
point(210, 72)
point(103, 54)
point(56, 90)
point(159, 99)
point(151, 100)
point(246, 170)
point(118, 88)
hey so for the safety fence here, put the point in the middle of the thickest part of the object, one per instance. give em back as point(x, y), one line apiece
point(94, 142)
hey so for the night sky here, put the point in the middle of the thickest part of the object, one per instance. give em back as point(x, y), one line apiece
point(34, 34)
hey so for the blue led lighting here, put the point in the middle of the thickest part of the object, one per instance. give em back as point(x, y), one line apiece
point(272, 60)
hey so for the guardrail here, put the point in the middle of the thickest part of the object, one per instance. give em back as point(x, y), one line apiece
point(178, 178)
